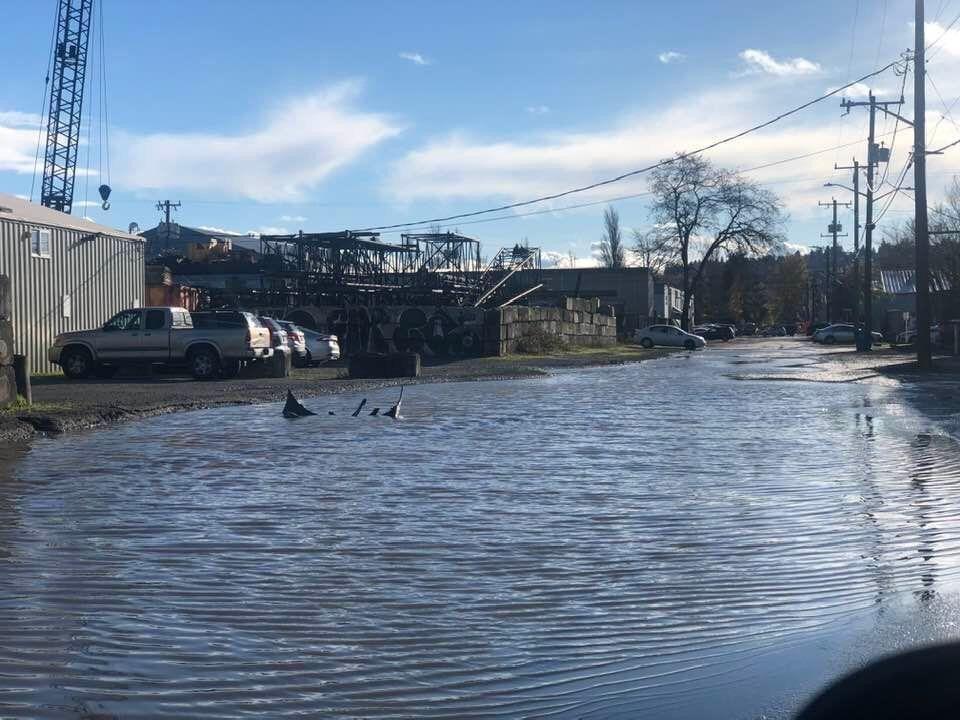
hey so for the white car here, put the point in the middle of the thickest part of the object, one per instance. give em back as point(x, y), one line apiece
point(909, 337)
point(668, 336)
point(320, 346)
point(841, 333)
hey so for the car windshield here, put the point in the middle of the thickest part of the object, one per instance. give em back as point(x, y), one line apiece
point(492, 360)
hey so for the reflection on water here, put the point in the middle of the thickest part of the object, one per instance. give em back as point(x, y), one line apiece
point(633, 540)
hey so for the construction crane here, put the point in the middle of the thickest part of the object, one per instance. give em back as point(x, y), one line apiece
point(66, 103)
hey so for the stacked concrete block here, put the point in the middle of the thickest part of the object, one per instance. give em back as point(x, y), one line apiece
point(8, 381)
point(577, 321)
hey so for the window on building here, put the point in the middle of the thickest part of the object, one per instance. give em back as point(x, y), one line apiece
point(40, 243)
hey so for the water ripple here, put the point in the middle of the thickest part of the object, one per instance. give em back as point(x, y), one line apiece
point(593, 544)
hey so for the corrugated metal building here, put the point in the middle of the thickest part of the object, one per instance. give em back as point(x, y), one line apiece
point(66, 274)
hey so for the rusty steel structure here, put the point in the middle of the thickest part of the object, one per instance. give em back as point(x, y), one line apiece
point(354, 267)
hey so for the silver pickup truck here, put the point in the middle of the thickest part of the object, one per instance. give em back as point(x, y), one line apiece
point(215, 346)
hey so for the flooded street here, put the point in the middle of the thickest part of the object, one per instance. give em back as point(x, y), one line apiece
point(671, 539)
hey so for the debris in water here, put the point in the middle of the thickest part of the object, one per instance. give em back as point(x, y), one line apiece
point(359, 408)
point(394, 412)
point(293, 408)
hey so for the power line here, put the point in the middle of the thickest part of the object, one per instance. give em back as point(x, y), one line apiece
point(942, 36)
point(648, 168)
point(633, 196)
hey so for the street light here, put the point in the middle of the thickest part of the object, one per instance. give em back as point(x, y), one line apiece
point(875, 197)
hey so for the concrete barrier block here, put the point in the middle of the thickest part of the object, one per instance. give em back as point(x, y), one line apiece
point(6, 342)
point(6, 298)
point(8, 386)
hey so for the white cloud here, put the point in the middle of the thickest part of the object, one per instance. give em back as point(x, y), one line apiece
point(415, 57)
point(671, 56)
point(462, 167)
point(538, 109)
point(552, 258)
point(760, 61)
point(861, 90)
point(298, 146)
point(293, 218)
point(941, 39)
point(13, 118)
point(86, 203)
point(17, 147)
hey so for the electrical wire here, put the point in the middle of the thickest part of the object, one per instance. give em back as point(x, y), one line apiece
point(941, 37)
point(43, 103)
point(104, 106)
point(648, 168)
point(896, 125)
point(632, 196)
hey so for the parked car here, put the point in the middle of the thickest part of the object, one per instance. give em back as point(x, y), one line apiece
point(909, 337)
point(296, 341)
point(668, 336)
point(278, 336)
point(321, 347)
point(714, 331)
point(813, 327)
point(841, 333)
point(774, 331)
point(164, 336)
point(747, 329)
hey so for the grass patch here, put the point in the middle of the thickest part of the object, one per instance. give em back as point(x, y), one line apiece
point(20, 406)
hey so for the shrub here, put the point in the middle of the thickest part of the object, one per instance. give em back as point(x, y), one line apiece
point(536, 341)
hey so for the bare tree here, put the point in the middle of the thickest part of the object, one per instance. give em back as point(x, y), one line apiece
point(612, 252)
point(655, 249)
point(711, 212)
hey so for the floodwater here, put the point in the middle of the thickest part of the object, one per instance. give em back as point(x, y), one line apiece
point(659, 540)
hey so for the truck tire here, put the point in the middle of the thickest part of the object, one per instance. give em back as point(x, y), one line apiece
point(105, 372)
point(204, 363)
point(76, 363)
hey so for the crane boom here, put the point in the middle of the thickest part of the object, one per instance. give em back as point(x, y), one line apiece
point(66, 103)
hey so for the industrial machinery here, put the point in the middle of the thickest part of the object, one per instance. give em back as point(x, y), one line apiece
point(66, 85)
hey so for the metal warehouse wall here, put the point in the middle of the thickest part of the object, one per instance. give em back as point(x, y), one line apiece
point(102, 275)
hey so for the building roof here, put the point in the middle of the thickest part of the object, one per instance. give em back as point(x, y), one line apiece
point(20, 210)
point(902, 282)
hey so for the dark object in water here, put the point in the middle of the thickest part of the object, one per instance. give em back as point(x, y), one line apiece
point(375, 411)
point(359, 408)
point(293, 409)
point(394, 412)
point(330, 412)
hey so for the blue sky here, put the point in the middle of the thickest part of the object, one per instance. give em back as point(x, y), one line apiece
point(323, 116)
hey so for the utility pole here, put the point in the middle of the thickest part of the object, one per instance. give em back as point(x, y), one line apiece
point(922, 273)
point(165, 206)
point(875, 156)
point(833, 229)
point(856, 234)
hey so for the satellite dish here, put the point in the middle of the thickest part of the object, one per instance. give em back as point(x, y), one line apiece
point(105, 195)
